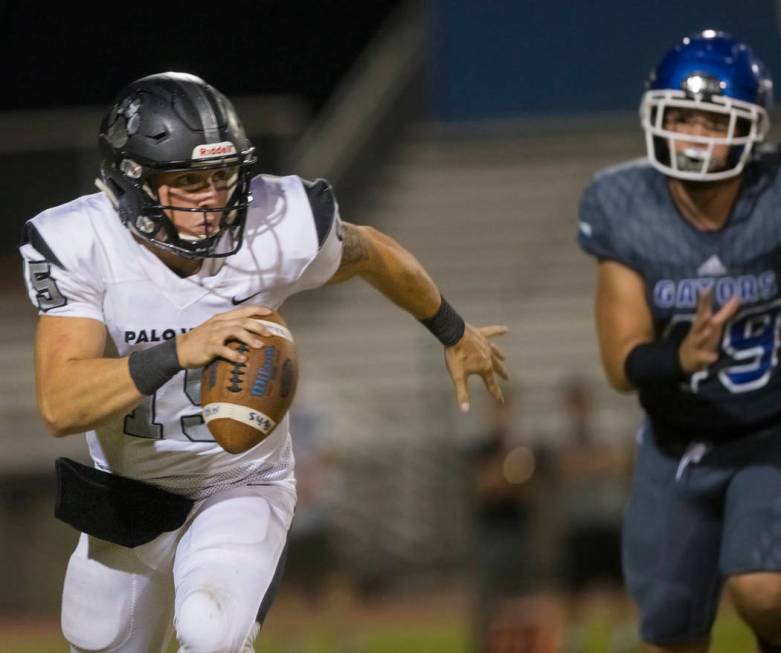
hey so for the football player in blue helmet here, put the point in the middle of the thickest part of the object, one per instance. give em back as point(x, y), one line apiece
point(688, 311)
point(712, 82)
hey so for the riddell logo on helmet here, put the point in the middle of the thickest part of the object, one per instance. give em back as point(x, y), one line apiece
point(214, 149)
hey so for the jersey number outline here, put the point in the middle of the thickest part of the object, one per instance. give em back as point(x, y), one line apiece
point(751, 340)
point(141, 422)
point(47, 293)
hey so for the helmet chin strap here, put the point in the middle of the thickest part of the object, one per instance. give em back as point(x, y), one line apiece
point(190, 238)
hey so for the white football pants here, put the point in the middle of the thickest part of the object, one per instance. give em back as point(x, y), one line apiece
point(210, 575)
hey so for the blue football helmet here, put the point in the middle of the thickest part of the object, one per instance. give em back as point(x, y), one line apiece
point(707, 72)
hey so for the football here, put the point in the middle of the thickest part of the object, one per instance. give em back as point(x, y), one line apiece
point(244, 402)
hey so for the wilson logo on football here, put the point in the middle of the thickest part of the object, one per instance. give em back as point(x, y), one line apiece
point(213, 149)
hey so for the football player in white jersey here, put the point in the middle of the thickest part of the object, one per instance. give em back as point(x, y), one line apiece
point(176, 255)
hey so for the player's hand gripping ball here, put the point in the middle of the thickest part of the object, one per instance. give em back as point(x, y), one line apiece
point(244, 402)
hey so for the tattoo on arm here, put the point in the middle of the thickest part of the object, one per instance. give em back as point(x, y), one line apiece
point(354, 249)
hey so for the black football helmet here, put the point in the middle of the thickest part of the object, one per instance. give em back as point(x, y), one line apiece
point(166, 123)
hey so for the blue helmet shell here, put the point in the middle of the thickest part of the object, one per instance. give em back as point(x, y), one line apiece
point(716, 55)
point(706, 72)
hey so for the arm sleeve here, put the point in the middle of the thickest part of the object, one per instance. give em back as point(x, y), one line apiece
point(58, 283)
point(325, 212)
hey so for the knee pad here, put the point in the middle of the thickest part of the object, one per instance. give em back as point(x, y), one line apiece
point(205, 623)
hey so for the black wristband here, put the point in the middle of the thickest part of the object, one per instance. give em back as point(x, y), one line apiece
point(151, 368)
point(447, 325)
point(652, 364)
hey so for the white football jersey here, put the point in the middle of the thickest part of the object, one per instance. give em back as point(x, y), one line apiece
point(81, 261)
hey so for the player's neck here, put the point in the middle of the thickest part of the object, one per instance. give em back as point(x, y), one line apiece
point(181, 265)
point(706, 205)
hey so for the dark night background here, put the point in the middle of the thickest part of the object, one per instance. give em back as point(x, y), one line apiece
point(73, 54)
point(59, 57)
point(477, 62)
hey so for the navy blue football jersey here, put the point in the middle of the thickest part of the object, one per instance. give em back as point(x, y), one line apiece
point(628, 215)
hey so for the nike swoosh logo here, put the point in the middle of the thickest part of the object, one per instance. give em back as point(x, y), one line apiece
point(236, 302)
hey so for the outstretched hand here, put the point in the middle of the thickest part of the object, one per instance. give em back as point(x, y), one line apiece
point(475, 353)
point(700, 348)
